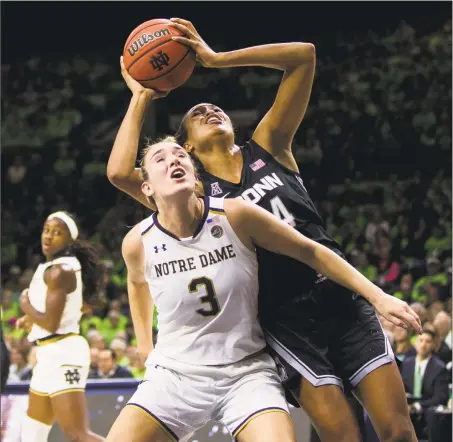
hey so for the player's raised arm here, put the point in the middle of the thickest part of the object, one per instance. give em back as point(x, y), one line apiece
point(121, 170)
point(276, 130)
point(140, 301)
point(255, 225)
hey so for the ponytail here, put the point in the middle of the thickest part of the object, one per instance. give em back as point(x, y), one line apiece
point(92, 269)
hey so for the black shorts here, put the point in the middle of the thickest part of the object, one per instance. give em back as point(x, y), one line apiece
point(328, 335)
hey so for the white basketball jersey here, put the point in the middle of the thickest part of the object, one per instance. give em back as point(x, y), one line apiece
point(205, 289)
point(37, 292)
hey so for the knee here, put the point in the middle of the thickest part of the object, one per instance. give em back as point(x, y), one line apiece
point(336, 427)
point(398, 431)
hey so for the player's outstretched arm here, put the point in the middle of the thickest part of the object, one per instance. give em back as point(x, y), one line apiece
point(276, 130)
point(140, 301)
point(60, 280)
point(256, 226)
point(121, 170)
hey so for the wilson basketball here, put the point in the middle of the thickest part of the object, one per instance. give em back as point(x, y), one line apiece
point(154, 59)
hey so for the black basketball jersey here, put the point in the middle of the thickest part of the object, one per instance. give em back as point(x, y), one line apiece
point(264, 181)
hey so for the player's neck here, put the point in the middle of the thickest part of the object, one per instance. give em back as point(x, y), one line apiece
point(223, 162)
point(181, 218)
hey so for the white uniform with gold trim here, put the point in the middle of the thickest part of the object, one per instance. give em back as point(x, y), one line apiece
point(209, 361)
point(63, 357)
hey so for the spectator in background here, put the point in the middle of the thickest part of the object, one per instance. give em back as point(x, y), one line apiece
point(402, 343)
point(420, 310)
point(359, 260)
point(388, 266)
point(442, 324)
point(119, 346)
point(96, 340)
point(10, 307)
point(404, 291)
point(425, 378)
point(137, 365)
point(17, 171)
point(89, 322)
point(31, 362)
point(19, 366)
point(376, 224)
point(108, 366)
point(94, 358)
point(112, 325)
point(434, 275)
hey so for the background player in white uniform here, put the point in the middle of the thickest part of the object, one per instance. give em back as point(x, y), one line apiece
point(196, 258)
point(53, 306)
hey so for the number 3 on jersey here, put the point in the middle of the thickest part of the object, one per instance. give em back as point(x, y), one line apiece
point(281, 212)
point(210, 297)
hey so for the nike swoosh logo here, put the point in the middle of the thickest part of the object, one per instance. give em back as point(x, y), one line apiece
point(226, 194)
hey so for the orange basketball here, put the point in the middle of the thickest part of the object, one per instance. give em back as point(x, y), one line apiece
point(154, 59)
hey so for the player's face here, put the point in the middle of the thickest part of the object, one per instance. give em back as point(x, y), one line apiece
point(206, 121)
point(170, 171)
point(55, 237)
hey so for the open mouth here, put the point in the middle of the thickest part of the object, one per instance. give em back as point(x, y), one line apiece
point(214, 120)
point(178, 173)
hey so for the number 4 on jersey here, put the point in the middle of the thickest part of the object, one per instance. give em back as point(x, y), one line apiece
point(280, 211)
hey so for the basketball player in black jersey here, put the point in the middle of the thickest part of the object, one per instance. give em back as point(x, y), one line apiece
point(328, 336)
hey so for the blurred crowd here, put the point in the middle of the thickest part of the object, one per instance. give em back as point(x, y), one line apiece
point(374, 150)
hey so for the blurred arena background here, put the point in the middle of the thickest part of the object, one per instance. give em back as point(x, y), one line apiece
point(374, 150)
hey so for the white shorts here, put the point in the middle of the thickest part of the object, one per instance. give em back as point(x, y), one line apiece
point(61, 367)
point(181, 397)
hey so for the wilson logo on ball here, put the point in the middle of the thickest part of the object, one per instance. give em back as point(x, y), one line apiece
point(159, 60)
point(146, 39)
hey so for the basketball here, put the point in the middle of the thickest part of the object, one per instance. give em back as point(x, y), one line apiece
point(154, 59)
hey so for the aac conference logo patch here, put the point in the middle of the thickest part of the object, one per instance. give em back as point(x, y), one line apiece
point(217, 231)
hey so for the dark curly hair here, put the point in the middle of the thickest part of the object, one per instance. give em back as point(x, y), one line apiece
point(92, 268)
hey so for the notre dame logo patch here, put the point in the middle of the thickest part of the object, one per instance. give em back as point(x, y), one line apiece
point(72, 376)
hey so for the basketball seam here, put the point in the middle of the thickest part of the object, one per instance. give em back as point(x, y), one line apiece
point(149, 26)
point(166, 72)
point(152, 49)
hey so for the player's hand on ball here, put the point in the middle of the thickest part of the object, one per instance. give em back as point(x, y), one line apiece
point(136, 88)
point(398, 312)
point(205, 55)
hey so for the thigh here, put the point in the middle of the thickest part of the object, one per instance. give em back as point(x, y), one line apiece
point(386, 407)
point(40, 408)
point(252, 395)
point(176, 403)
point(269, 427)
point(357, 342)
point(136, 425)
point(329, 412)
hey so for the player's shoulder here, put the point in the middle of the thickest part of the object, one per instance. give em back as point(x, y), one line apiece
point(132, 242)
point(236, 209)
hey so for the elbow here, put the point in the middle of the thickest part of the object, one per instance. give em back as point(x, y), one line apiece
point(53, 327)
point(306, 52)
point(115, 176)
point(299, 56)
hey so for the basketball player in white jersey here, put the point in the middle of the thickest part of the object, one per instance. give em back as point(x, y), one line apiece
point(195, 259)
point(53, 306)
